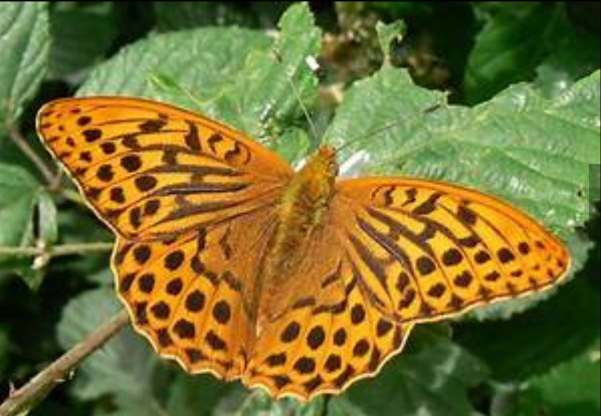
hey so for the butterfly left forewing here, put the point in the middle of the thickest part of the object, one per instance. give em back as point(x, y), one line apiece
point(427, 250)
point(152, 170)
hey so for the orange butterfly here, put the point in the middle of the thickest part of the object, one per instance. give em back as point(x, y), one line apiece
point(231, 263)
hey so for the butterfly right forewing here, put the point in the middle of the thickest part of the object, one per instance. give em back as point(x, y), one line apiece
point(428, 250)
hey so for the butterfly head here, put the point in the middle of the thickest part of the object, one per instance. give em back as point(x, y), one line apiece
point(326, 157)
point(316, 178)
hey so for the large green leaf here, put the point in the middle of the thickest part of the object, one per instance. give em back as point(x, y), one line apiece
point(532, 151)
point(178, 15)
point(554, 331)
point(81, 35)
point(20, 195)
point(512, 43)
point(434, 380)
point(233, 73)
point(124, 366)
point(24, 45)
point(571, 388)
point(575, 55)
point(198, 395)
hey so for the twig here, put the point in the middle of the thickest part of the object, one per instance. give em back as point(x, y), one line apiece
point(38, 387)
point(57, 181)
point(23, 144)
point(54, 251)
point(73, 196)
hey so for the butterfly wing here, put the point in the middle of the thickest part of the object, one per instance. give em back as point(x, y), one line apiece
point(151, 170)
point(328, 335)
point(189, 199)
point(187, 295)
point(427, 250)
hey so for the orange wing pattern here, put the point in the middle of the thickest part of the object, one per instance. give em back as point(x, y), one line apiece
point(200, 209)
point(330, 335)
point(151, 170)
point(187, 295)
point(428, 250)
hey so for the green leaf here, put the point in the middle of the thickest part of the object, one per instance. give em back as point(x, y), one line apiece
point(512, 43)
point(571, 388)
point(531, 343)
point(531, 151)
point(123, 366)
point(388, 33)
point(263, 89)
point(434, 380)
point(126, 405)
point(294, 144)
point(204, 61)
point(233, 72)
point(178, 15)
point(20, 193)
point(196, 395)
point(48, 219)
point(575, 55)
point(257, 402)
point(24, 45)
point(81, 36)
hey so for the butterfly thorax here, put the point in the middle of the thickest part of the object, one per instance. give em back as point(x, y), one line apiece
point(305, 202)
point(302, 211)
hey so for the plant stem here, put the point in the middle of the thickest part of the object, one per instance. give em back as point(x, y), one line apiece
point(54, 251)
point(73, 196)
point(26, 397)
point(66, 249)
point(23, 144)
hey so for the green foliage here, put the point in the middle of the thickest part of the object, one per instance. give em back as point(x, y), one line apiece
point(434, 379)
point(568, 388)
point(21, 195)
point(518, 116)
point(24, 44)
point(518, 36)
point(82, 35)
point(518, 145)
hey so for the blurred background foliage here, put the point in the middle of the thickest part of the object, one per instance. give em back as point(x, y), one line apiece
point(499, 96)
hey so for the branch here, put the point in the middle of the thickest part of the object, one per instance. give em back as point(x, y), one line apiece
point(54, 251)
point(37, 388)
point(72, 196)
point(23, 144)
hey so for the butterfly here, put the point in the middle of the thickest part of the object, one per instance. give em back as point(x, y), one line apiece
point(232, 263)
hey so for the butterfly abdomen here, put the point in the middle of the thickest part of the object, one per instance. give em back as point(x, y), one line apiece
point(302, 210)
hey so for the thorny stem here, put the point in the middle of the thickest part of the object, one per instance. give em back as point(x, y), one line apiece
point(26, 397)
point(55, 251)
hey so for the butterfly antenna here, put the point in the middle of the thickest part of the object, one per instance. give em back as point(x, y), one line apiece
point(383, 128)
point(369, 133)
point(298, 97)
